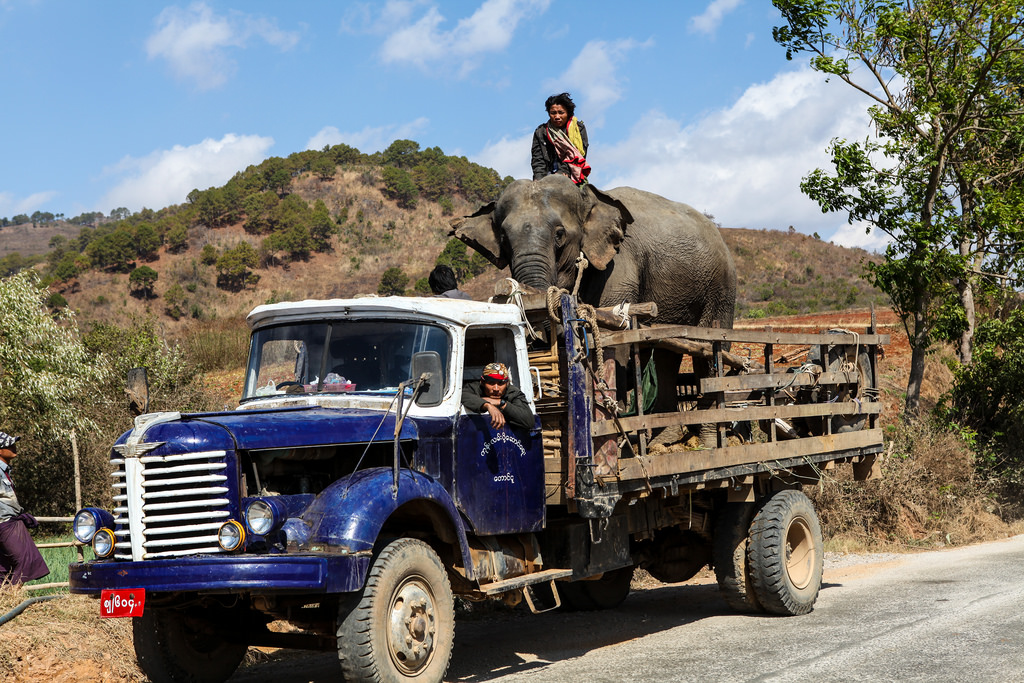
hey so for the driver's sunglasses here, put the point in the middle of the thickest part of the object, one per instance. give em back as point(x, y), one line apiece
point(491, 380)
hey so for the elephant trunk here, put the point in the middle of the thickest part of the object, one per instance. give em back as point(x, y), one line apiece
point(533, 270)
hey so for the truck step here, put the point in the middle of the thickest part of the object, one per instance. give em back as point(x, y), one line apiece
point(523, 581)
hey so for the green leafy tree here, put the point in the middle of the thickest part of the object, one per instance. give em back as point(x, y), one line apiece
point(276, 176)
point(235, 266)
point(456, 256)
point(402, 154)
point(343, 154)
point(433, 179)
point(258, 210)
point(175, 301)
point(141, 281)
point(45, 370)
point(422, 287)
point(321, 227)
point(393, 282)
point(147, 240)
point(208, 256)
point(399, 185)
point(119, 214)
point(113, 251)
point(20, 219)
point(324, 167)
point(177, 239)
point(943, 78)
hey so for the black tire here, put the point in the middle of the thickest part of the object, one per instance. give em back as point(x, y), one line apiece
point(785, 554)
point(402, 626)
point(729, 552)
point(607, 592)
point(185, 646)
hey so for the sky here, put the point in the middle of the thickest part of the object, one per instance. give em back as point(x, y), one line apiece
point(134, 104)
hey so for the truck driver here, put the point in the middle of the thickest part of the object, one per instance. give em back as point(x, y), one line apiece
point(494, 395)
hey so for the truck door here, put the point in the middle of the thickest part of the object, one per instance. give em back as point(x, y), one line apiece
point(499, 473)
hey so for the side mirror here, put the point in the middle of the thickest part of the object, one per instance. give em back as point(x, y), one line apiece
point(137, 390)
point(429, 363)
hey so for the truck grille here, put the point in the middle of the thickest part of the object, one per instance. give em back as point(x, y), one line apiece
point(169, 505)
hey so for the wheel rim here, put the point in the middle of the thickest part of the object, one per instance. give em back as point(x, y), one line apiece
point(412, 626)
point(800, 553)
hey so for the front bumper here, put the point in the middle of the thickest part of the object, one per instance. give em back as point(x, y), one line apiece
point(226, 574)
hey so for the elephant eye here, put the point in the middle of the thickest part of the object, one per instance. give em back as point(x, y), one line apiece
point(560, 236)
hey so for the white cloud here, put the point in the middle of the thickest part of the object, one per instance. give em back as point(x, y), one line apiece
point(708, 21)
point(744, 164)
point(195, 41)
point(592, 77)
point(858, 235)
point(423, 41)
point(508, 156)
point(369, 139)
point(11, 206)
point(166, 177)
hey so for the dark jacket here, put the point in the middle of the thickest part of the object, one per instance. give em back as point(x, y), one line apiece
point(516, 410)
point(545, 161)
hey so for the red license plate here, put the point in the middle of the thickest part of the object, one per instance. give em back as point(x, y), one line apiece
point(124, 602)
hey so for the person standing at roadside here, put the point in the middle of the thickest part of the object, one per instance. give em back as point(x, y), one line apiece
point(20, 560)
point(560, 144)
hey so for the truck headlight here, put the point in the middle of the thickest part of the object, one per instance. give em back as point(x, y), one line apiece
point(265, 515)
point(231, 535)
point(103, 542)
point(88, 521)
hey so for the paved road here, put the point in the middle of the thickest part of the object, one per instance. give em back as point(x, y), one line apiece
point(954, 615)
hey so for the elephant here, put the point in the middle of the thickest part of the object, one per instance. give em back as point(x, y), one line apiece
point(640, 247)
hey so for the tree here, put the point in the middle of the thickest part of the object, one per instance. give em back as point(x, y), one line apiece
point(234, 267)
point(119, 214)
point(20, 219)
point(141, 281)
point(456, 256)
point(44, 368)
point(175, 301)
point(398, 185)
point(321, 226)
point(944, 80)
point(208, 256)
point(393, 282)
point(177, 239)
point(147, 241)
point(324, 167)
point(401, 153)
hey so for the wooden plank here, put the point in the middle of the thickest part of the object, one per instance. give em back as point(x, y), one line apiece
point(775, 381)
point(656, 332)
point(696, 417)
point(682, 462)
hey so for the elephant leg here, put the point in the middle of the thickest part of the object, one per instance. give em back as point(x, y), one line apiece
point(709, 431)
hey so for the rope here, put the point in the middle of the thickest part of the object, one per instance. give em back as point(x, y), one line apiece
point(517, 297)
point(581, 265)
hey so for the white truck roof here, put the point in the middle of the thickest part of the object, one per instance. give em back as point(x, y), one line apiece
point(459, 311)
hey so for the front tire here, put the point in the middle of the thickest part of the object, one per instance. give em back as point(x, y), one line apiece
point(402, 626)
point(179, 646)
point(785, 554)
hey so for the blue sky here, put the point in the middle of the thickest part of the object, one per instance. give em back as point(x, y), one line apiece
point(134, 104)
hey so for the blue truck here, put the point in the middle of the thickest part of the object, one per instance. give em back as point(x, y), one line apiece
point(350, 498)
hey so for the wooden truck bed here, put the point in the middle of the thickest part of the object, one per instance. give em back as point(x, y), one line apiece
point(810, 400)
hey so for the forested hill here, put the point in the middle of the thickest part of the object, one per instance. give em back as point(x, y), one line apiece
point(338, 223)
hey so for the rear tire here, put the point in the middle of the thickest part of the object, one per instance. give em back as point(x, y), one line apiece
point(732, 531)
point(607, 592)
point(402, 626)
point(785, 554)
point(185, 645)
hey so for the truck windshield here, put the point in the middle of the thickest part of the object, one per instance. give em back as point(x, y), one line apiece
point(362, 356)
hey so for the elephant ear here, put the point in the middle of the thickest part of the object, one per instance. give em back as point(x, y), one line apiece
point(604, 227)
point(479, 232)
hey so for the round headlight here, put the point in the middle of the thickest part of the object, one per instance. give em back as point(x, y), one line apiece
point(103, 542)
point(260, 517)
point(85, 526)
point(231, 535)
